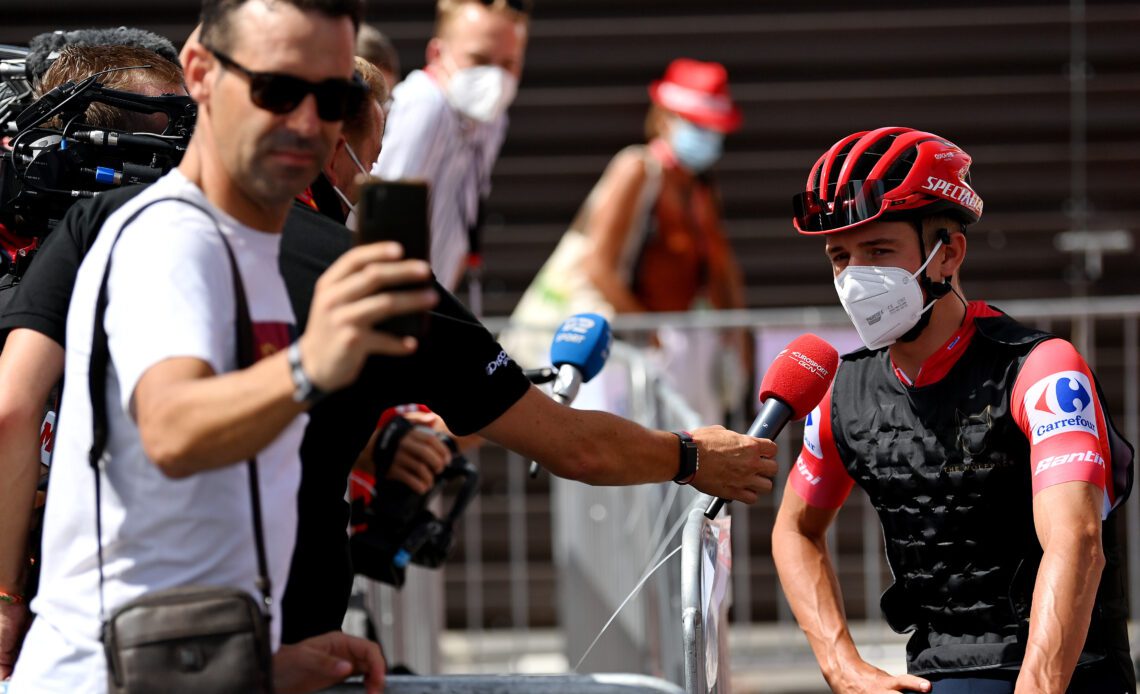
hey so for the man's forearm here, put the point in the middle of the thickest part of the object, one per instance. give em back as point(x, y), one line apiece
point(604, 449)
point(20, 467)
point(812, 590)
point(1063, 599)
point(30, 366)
point(192, 421)
point(591, 447)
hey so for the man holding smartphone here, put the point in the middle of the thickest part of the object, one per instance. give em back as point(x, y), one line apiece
point(273, 81)
point(450, 373)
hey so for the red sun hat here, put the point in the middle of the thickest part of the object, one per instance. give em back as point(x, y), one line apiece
point(698, 92)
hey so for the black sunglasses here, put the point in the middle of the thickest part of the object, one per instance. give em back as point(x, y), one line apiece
point(281, 94)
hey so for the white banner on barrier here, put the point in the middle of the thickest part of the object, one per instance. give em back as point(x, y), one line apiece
point(716, 567)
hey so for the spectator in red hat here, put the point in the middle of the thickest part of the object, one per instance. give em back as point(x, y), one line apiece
point(649, 236)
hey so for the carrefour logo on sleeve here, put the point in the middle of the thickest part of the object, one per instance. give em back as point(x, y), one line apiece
point(1060, 403)
point(811, 434)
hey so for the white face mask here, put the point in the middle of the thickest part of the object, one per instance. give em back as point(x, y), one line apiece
point(882, 302)
point(482, 92)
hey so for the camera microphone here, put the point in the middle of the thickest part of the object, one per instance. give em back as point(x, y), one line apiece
point(794, 384)
point(111, 138)
point(129, 175)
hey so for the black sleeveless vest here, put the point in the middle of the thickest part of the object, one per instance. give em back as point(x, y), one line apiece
point(948, 471)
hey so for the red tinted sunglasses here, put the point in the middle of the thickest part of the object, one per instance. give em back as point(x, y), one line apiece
point(856, 202)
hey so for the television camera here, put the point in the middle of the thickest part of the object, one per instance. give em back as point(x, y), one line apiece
point(51, 158)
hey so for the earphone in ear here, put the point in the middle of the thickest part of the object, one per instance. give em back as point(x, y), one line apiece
point(940, 289)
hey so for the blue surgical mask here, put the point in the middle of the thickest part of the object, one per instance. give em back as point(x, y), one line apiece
point(696, 148)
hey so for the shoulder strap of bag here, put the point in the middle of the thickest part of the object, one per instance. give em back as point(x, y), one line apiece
point(97, 380)
point(642, 225)
point(649, 191)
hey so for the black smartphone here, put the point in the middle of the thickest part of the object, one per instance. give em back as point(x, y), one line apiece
point(397, 211)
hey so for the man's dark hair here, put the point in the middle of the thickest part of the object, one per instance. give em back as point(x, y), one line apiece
point(215, 17)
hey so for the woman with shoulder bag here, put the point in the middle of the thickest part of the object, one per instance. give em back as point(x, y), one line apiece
point(649, 236)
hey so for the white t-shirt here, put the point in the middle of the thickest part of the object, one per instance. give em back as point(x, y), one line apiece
point(170, 295)
point(426, 139)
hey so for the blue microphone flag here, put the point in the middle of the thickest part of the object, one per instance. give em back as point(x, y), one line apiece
point(583, 341)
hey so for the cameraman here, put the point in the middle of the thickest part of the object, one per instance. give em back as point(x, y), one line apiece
point(32, 357)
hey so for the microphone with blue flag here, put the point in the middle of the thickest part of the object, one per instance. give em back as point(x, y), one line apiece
point(579, 351)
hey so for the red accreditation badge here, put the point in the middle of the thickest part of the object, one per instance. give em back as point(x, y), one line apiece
point(271, 337)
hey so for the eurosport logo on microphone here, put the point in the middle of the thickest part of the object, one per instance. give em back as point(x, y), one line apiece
point(806, 362)
point(1060, 403)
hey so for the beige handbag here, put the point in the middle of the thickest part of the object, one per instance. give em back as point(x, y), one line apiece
point(561, 288)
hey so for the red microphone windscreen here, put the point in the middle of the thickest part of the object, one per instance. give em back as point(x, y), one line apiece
point(801, 374)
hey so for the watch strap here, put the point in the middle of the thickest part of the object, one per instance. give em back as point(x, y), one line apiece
point(303, 388)
point(690, 459)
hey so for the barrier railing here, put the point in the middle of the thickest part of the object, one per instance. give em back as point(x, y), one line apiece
point(520, 684)
point(705, 564)
point(605, 538)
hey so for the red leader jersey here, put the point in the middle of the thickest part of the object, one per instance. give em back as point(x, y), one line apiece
point(1053, 389)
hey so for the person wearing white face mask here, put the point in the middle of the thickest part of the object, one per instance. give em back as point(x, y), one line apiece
point(447, 121)
point(985, 447)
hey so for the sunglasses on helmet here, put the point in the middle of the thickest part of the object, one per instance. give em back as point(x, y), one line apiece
point(281, 94)
point(856, 202)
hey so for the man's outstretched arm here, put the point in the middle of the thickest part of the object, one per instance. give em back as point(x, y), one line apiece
point(604, 449)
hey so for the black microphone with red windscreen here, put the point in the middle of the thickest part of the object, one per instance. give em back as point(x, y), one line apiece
point(794, 384)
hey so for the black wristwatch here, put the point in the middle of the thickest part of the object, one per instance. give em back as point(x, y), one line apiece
point(303, 388)
point(690, 458)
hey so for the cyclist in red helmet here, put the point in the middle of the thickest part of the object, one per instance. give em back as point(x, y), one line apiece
point(984, 446)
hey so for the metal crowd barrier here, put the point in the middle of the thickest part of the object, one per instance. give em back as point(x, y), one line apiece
point(520, 684)
point(706, 557)
point(605, 539)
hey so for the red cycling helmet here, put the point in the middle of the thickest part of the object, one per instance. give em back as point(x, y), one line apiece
point(889, 174)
